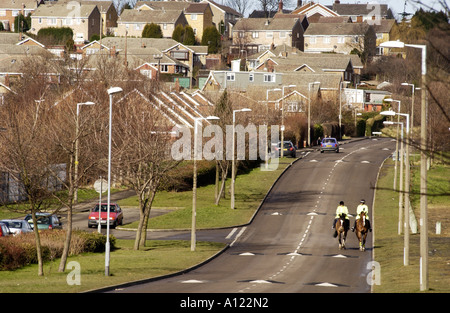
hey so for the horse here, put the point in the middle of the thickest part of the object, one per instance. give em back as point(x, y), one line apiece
point(361, 231)
point(341, 229)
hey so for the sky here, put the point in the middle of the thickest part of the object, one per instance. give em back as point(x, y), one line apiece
point(395, 5)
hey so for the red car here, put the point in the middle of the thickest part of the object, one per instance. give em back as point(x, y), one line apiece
point(115, 215)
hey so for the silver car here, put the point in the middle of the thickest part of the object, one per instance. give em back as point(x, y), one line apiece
point(17, 227)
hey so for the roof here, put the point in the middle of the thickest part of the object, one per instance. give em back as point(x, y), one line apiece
point(249, 24)
point(336, 29)
point(197, 8)
point(163, 5)
point(359, 9)
point(149, 16)
point(223, 8)
point(64, 10)
point(102, 5)
point(383, 26)
point(17, 4)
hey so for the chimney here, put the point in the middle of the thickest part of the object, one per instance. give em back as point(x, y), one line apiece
point(299, 3)
point(280, 6)
point(337, 2)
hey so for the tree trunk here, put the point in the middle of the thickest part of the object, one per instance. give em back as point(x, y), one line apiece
point(38, 244)
point(222, 187)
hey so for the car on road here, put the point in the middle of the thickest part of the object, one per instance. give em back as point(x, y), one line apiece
point(17, 226)
point(4, 230)
point(115, 215)
point(45, 221)
point(329, 144)
point(288, 149)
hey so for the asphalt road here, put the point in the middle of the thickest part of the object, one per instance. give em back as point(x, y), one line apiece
point(289, 246)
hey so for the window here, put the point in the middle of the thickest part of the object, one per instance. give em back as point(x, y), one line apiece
point(2, 12)
point(341, 39)
point(51, 21)
point(230, 77)
point(164, 68)
point(255, 34)
point(269, 34)
point(40, 20)
point(326, 39)
point(269, 78)
point(194, 17)
point(251, 77)
point(165, 26)
point(147, 73)
point(282, 34)
point(312, 39)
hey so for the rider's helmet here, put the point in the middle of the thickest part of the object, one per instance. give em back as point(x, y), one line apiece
point(363, 201)
point(341, 203)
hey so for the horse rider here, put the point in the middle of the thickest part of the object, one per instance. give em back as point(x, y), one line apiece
point(362, 207)
point(342, 209)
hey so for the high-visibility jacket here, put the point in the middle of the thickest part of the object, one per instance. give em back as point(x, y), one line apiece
point(342, 209)
point(361, 208)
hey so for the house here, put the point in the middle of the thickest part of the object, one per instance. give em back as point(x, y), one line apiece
point(309, 63)
point(10, 9)
point(224, 18)
point(335, 37)
point(258, 34)
point(314, 11)
point(220, 80)
point(83, 19)
point(199, 17)
point(383, 31)
point(132, 22)
point(368, 12)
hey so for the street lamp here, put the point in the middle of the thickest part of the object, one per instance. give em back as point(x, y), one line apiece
point(423, 164)
point(309, 111)
point(233, 162)
point(75, 195)
point(407, 182)
point(111, 92)
point(282, 118)
point(194, 181)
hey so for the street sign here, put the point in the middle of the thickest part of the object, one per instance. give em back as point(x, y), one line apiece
point(101, 185)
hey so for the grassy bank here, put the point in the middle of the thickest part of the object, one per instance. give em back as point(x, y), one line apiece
point(158, 258)
point(395, 277)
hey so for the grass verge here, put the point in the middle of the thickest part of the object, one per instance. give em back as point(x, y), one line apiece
point(250, 189)
point(158, 258)
point(395, 277)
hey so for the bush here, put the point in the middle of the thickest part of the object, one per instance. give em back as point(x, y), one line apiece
point(19, 251)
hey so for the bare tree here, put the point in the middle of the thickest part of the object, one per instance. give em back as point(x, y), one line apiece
point(141, 148)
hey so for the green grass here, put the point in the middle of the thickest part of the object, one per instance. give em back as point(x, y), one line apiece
point(395, 277)
point(250, 189)
point(158, 258)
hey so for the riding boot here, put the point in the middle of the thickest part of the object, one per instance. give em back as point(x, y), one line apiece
point(354, 226)
point(368, 225)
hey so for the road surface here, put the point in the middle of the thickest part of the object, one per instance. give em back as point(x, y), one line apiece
point(289, 248)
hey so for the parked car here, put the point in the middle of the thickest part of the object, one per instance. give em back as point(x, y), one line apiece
point(4, 230)
point(18, 226)
point(288, 149)
point(329, 144)
point(45, 221)
point(115, 215)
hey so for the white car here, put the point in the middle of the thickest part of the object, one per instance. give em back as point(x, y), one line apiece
point(17, 227)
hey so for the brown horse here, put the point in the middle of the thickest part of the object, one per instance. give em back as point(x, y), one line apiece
point(341, 229)
point(361, 231)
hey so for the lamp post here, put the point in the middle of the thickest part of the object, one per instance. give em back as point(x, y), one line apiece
point(309, 111)
point(423, 163)
point(111, 92)
point(282, 119)
point(406, 187)
point(194, 181)
point(233, 161)
point(77, 127)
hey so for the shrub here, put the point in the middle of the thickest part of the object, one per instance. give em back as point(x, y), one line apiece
point(18, 251)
